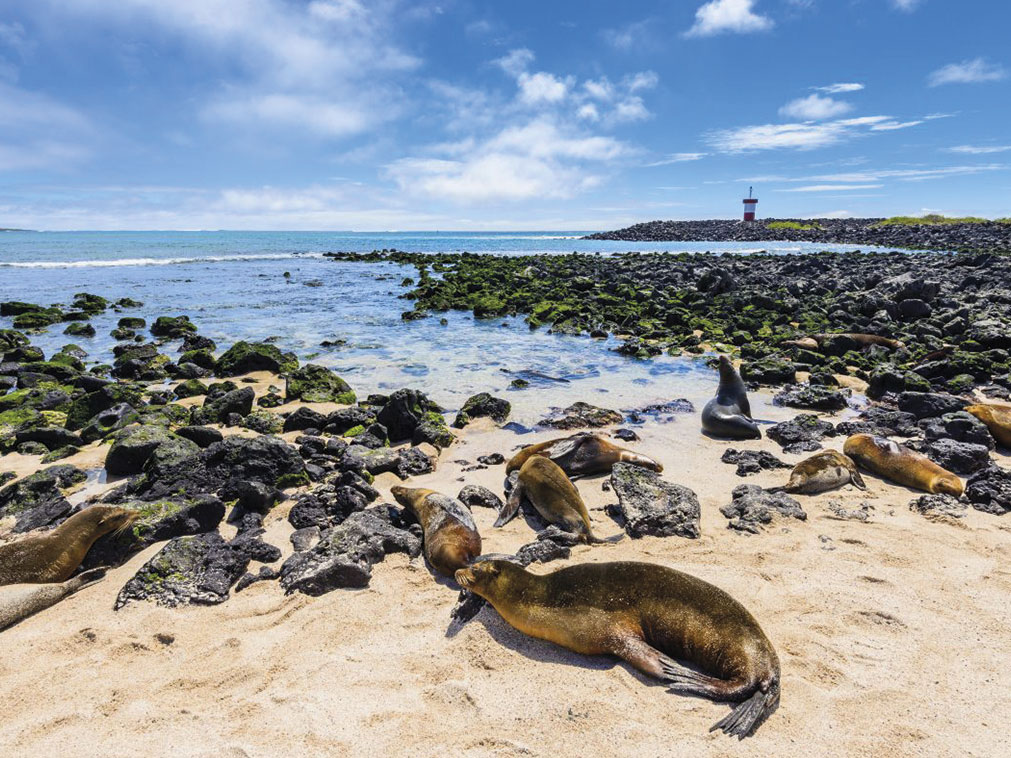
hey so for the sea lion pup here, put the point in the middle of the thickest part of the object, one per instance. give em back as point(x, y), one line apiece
point(648, 615)
point(544, 484)
point(729, 413)
point(901, 465)
point(451, 540)
point(581, 455)
point(997, 419)
point(824, 471)
point(19, 601)
point(814, 341)
point(53, 556)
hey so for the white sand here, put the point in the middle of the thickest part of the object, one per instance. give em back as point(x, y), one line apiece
point(893, 638)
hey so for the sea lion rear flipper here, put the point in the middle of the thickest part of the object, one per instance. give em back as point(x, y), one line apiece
point(594, 540)
point(741, 721)
point(686, 681)
point(857, 480)
point(511, 506)
point(89, 577)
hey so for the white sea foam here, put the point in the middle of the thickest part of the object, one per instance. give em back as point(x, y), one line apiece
point(113, 262)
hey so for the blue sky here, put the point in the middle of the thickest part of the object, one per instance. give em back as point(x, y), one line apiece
point(457, 114)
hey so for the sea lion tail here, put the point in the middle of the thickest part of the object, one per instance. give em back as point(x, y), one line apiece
point(592, 539)
point(743, 719)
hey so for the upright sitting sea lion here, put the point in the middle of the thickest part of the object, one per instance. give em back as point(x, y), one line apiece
point(901, 465)
point(814, 341)
point(648, 615)
point(822, 472)
point(53, 556)
point(543, 482)
point(451, 538)
point(581, 455)
point(729, 413)
point(19, 601)
point(997, 419)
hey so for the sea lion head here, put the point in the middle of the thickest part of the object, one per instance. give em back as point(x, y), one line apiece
point(109, 518)
point(948, 485)
point(408, 496)
point(727, 371)
point(487, 577)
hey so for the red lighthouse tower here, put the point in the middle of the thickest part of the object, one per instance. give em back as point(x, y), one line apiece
point(749, 206)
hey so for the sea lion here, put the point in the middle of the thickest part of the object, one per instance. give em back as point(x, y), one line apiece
point(824, 471)
point(997, 419)
point(901, 465)
point(555, 497)
point(53, 556)
point(451, 540)
point(729, 413)
point(581, 455)
point(648, 615)
point(814, 341)
point(19, 601)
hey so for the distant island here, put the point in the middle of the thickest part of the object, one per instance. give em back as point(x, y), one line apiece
point(6, 229)
point(933, 232)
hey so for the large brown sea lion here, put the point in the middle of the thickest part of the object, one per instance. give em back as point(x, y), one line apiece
point(997, 419)
point(648, 615)
point(451, 540)
point(555, 497)
point(824, 471)
point(54, 555)
point(901, 465)
point(19, 601)
point(729, 413)
point(582, 454)
point(815, 341)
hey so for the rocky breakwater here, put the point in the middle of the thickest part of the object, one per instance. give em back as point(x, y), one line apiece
point(976, 236)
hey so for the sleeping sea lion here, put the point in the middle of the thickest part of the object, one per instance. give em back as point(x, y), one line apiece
point(824, 471)
point(815, 341)
point(581, 455)
point(19, 601)
point(729, 413)
point(543, 482)
point(648, 615)
point(53, 556)
point(997, 419)
point(451, 540)
point(901, 465)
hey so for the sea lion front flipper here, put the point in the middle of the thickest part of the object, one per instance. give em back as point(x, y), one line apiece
point(745, 716)
point(511, 505)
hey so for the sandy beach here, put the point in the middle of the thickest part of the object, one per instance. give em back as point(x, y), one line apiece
point(890, 634)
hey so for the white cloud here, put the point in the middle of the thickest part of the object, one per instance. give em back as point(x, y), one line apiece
point(979, 149)
point(677, 158)
point(815, 108)
point(641, 80)
point(840, 87)
point(798, 136)
point(903, 174)
point(542, 87)
point(718, 16)
point(906, 5)
point(890, 126)
point(289, 60)
point(633, 35)
point(967, 72)
point(515, 62)
point(831, 187)
point(539, 159)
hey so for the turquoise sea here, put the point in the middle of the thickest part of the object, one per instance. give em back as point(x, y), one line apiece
point(232, 285)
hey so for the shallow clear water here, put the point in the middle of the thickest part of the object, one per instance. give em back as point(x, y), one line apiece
point(231, 285)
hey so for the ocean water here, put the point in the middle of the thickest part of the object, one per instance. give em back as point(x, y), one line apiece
point(232, 286)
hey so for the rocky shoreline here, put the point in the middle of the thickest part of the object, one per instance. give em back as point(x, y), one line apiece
point(198, 437)
point(991, 236)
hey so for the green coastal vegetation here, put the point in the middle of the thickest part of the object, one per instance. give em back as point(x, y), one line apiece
point(935, 219)
point(796, 225)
